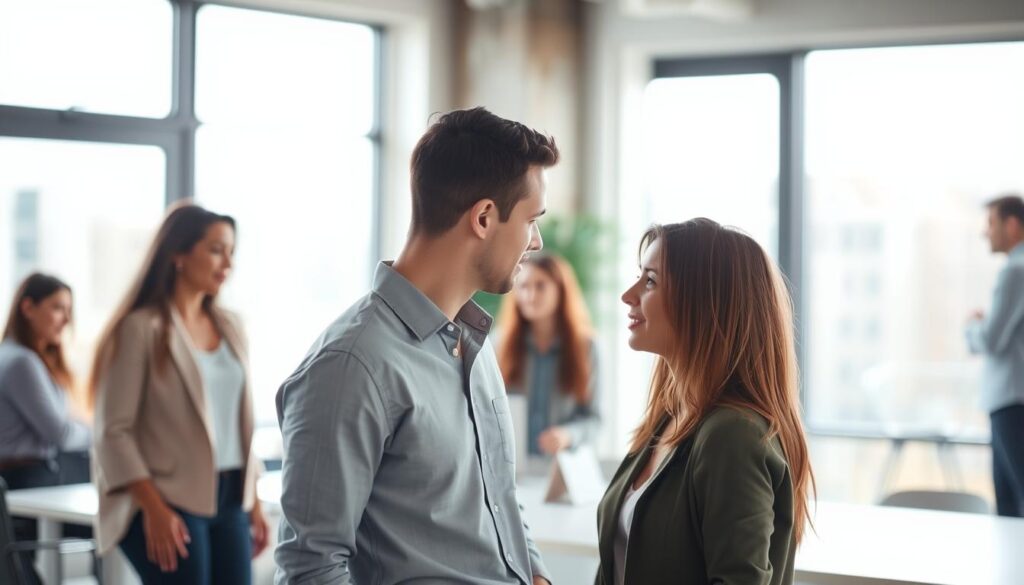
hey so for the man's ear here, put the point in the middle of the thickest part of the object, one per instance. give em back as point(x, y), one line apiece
point(482, 217)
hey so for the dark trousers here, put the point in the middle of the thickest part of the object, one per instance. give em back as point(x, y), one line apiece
point(221, 547)
point(1008, 459)
point(66, 468)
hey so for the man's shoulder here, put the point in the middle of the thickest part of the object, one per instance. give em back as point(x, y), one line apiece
point(368, 330)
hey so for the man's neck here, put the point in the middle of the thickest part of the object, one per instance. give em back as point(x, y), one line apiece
point(440, 269)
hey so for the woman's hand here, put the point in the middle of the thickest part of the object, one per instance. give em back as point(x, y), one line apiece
point(259, 528)
point(166, 536)
point(554, 440)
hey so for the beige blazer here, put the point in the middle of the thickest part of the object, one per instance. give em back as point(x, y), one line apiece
point(151, 422)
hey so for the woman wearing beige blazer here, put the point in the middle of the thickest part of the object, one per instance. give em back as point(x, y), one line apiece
point(173, 465)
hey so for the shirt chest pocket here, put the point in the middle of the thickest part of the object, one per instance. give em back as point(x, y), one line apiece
point(503, 422)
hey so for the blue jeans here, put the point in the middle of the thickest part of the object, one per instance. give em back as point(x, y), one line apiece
point(1008, 460)
point(221, 547)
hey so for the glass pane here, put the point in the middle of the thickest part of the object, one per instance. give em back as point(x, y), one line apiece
point(304, 205)
point(284, 150)
point(711, 148)
point(904, 145)
point(107, 56)
point(317, 73)
point(83, 212)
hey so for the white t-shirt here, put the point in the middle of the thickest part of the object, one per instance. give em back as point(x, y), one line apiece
point(223, 379)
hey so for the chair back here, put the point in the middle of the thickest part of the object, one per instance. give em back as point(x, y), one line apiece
point(10, 567)
point(936, 500)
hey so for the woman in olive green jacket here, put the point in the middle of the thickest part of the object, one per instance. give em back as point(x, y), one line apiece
point(715, 487)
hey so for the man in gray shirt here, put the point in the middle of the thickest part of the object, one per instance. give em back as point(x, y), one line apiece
point(999, 336)
point(398, 448)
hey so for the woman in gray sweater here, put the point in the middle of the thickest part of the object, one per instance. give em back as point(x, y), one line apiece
point(35, 422)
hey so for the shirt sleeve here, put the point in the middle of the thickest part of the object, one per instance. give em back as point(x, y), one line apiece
point(992, 335)
point(734, 499)
point(335, 426)
point(37, 401)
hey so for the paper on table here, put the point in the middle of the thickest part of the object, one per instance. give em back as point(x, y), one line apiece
point(576, 477)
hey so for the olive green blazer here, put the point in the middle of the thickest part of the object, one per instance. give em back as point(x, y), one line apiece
point(720, 511)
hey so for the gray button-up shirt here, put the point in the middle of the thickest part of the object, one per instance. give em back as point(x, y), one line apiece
point(399, 464)
point(1000, 338)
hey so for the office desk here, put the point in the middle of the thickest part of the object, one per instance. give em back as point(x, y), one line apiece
point(65, 504)
point(852, 544)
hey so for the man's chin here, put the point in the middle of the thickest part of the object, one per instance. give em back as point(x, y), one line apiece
point(500, 288)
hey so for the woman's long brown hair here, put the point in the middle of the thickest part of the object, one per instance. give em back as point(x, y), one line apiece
point(734, 346)
point(184, 226)
point(572, 325)
point(37, 287)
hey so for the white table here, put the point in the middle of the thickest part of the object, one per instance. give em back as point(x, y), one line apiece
point(66, 504)
point(852, 544)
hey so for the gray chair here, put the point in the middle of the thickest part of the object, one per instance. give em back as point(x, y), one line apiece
point(11, 570)
point(935, 500)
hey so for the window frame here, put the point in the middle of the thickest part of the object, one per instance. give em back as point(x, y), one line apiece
point(175, 133)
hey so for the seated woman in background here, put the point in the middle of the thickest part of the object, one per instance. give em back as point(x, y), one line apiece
point(715, 487)
point(174, 466)
point(547, 352)
point(35, 421)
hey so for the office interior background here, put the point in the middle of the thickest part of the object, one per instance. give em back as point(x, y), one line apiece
point(857, 141)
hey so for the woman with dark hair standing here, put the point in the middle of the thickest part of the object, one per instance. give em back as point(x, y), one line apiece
point(715, 487)
point(35, 424)
point(547, 352)
point(173, 462)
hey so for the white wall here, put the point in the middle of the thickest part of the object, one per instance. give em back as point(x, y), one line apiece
point(618, 56)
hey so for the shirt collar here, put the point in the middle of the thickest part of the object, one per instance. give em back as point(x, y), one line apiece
point(1017, 251)
point(418, 312)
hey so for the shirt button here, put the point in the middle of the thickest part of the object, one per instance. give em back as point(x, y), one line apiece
point(455, 352)
point(508, 557)
point(483, 322)
point(451, 327)
point(495, 508)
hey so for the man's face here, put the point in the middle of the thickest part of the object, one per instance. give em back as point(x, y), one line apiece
point(996, 232)
point(514, 239)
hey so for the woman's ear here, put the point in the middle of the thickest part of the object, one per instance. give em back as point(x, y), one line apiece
point(26, 307)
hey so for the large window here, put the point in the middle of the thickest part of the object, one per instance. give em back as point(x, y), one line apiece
point(885, 158)
point(80, 210)
point(110, 110)
point(904, 145)
point(288, 151)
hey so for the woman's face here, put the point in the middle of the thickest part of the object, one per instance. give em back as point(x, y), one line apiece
point(49, 316)
point(649, 327)
point(208, 264)
point(537, 294)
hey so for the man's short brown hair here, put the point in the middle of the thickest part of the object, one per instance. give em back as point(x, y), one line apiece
point(1007, 206)
point(469, 155)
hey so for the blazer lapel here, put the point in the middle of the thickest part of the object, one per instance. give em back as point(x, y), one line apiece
point(616, 496)
point(180, 345)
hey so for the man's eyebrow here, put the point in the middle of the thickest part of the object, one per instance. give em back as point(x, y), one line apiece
point(542, 212)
